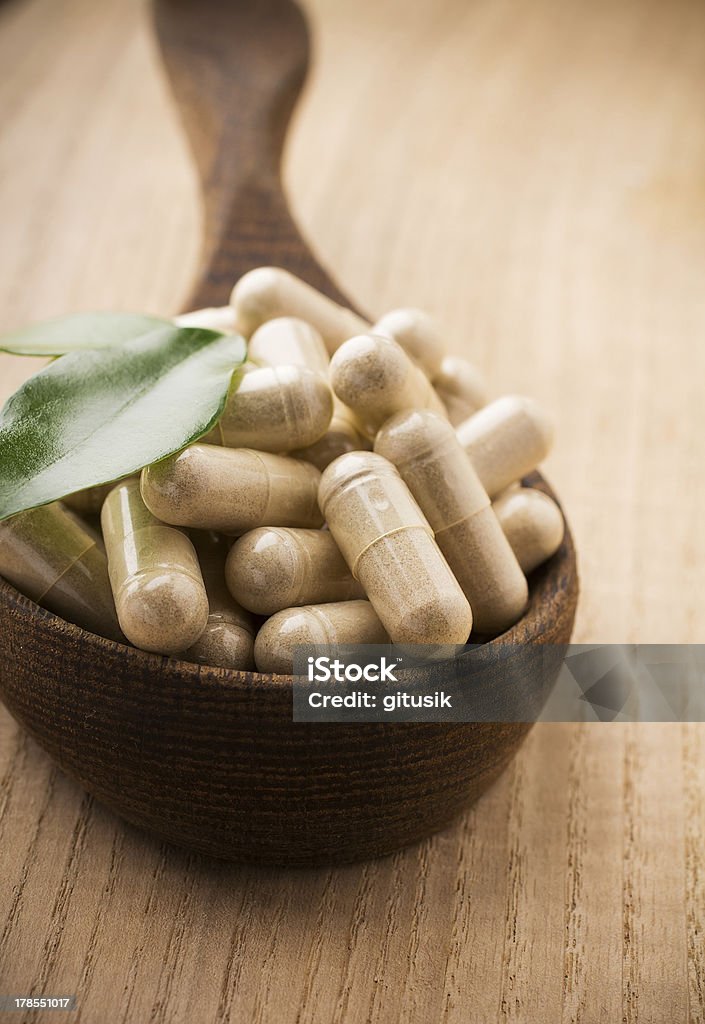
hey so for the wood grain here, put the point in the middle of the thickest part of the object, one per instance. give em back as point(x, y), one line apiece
point(535, 174)
point(236, 71)
point(210, 759)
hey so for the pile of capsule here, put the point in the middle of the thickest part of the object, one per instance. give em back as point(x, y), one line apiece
point(357, 489)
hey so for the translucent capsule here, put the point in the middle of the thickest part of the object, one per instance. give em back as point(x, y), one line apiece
point(228, 640)
point(506, 440)
point(533, 524)
point(154, 573)
point(89, 501)
point(389, 547)
point(289, 341)
point(418, 334)
point(273, 568)
point(214, 435)
point(344, 622)
point(343, 435)
point(433, 465)
point(375, 378)
point(232, 490)
point(461, 388)
point(213, 318)
point(57, 561)
point(276, 409)
point(268, 292)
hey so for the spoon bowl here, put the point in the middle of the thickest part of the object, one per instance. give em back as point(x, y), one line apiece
point(211, 759)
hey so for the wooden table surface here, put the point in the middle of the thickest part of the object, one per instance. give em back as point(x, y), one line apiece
point(535, 175)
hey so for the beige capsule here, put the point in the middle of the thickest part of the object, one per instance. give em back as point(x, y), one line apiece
point(343, 435)
point(433, 465)
point(506, 440)
point(418, 334)
point(57, 561)
point(232, 490)
point(533, 524)
point(274, 568)
point(375, 378)
point(156, 580)
point(268, 292)
point(461, 388)
point(89, 501)
point(276, 409)
point(228, 640)
point(389, 547)
point(344, 622)
point(214, 435)
point(213, 318)
point(289, 340)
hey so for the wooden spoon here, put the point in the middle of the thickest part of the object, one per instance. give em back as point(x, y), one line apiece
point(236, 70)
point(209, 758)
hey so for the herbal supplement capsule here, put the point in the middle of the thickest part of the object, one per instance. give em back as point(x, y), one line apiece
point(89, 501)
point(269, 292)
point(439, 474)
point(389, 547)
point(228, 640)
point(343, 435)
point(418, 334)
point(460, 387)
point(273, 568)
point(214, 435)
point(343, 622)
point(506, 440)
point(375, 378)
point(55, 560)
point(232, 490)
point(288, 341)
point(213, 318)
point(532, 523)
point(276, 409)
point(154, 573)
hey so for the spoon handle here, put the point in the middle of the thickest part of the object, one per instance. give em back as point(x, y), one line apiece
point(236, 69)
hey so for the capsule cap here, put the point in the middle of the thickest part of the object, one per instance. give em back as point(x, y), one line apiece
point(413, 435)
point(289, 340)
point(366, 366)
point(493, 416)
point(348, 468)
point(418, 334)
point(265, 568)
point(164, 611)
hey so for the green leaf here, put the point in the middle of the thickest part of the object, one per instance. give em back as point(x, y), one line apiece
point(78, 331)
point(92, 417)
